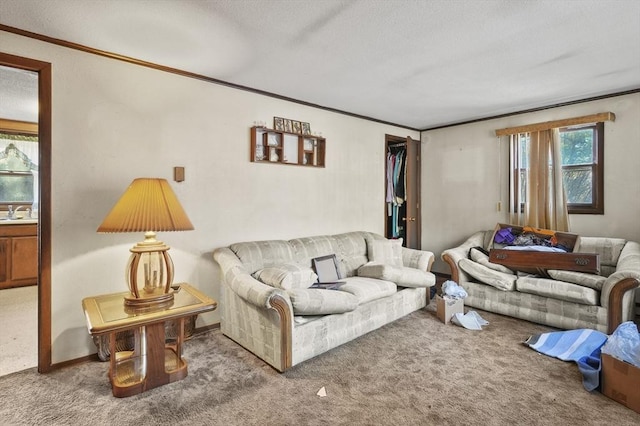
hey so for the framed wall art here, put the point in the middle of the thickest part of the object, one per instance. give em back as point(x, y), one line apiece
point(278, 123)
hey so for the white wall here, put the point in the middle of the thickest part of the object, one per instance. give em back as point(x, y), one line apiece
point(114, 121)
point(465, 175)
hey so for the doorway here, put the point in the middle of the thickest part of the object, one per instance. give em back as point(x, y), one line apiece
point(43, 71)
point(402, 189)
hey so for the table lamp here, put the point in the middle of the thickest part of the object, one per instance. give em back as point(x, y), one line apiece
point(149, 205)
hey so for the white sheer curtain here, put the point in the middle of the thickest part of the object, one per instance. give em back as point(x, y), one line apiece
point(29, 146)
point(537, 196)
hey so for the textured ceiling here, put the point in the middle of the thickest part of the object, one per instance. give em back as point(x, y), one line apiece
point(420, 64)
point(18, 94)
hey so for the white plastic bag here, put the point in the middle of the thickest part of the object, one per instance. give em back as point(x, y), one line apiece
point(471, 320)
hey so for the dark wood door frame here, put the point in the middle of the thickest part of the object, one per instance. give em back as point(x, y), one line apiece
point(44, 217)
point(414, 215)
point(412, 219)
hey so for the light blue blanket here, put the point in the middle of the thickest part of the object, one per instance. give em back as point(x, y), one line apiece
point(568, 345)
point(582, 346)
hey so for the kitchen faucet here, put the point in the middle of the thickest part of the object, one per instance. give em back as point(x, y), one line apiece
point(11, 213)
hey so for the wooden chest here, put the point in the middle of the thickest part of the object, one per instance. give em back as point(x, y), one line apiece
point(564, 239)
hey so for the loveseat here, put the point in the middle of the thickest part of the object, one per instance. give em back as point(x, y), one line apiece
point(268, 308)
point(565, 299)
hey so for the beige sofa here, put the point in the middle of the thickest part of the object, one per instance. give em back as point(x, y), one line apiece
point(561, 298)
point(268, 307)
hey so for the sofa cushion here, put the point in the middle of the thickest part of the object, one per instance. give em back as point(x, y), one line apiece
point(385, 251)
point(416, 258)
point(629, 261)
point(401, 275)
point(609, 249)
point(558, 290)
point(368, 289)
point(307, 248)
point(313, 301)
point(587, 280)
point(352, 251)
point(481, 258)
point(257, 255)
point(287, 276)
point(488, 276)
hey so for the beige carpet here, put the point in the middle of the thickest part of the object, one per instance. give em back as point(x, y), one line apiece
point(415, 371)
point(18, 329)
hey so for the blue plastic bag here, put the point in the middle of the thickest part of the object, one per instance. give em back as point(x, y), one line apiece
point(624, 343)
point(590, 367)
point(452, 289)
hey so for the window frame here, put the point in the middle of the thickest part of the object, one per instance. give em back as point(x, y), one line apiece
point(597, 172)
point(597, 176)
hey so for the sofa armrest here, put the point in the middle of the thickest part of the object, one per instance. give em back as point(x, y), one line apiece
point(248, 302)
point(418, 259)
point(620, 308)
point(453, 255)
point(243, 284)
point(616, 292)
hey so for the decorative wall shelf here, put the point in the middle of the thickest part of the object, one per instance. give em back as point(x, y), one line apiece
point(279, 147)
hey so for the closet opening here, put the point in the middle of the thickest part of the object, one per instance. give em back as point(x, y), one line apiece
point(402, 190)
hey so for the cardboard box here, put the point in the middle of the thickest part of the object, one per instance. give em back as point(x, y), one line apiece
point(446, 307)
point(620, 381)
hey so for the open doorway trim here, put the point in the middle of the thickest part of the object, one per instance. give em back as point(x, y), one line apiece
point(44, 219)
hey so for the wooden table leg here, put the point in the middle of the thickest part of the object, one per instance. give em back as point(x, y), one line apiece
point(156, 373)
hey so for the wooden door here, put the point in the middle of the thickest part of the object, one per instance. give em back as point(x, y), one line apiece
point(409, 213)
point(412, 219)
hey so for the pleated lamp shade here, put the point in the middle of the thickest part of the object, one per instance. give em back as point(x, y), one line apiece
point(148, 205)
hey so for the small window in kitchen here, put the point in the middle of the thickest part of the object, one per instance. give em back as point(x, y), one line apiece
point(18, 171)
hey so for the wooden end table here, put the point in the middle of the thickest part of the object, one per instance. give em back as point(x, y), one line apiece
point(154, 361)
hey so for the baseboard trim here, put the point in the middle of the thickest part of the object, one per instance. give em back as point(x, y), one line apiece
point(204, 329)
point(75, 361)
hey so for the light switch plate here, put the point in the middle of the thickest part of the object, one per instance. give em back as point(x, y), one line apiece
point(178, 174)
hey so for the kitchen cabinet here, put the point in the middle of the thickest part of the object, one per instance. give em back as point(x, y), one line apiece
point(18, 255)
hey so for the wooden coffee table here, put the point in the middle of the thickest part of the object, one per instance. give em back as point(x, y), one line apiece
point(154, 361)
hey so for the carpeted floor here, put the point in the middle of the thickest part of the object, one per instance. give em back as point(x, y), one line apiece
point(415, 371)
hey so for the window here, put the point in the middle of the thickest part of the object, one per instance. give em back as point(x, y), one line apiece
point(582, 149)
point(582, 168)
point(17, 170)
point(17, 188)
